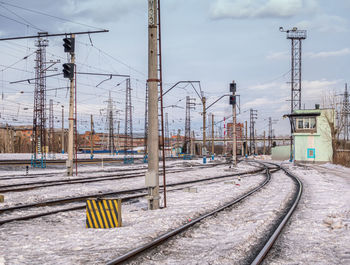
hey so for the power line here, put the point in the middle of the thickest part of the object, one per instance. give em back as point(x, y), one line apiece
point(48, 15)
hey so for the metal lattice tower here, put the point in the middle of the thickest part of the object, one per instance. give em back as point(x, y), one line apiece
point(296, 36)
point(51, 129)
point(189, 105)
point(128, 144)
point(253, 116)
point(345, 114)
point(146, 120)
point(39, 110)
point(110, 121)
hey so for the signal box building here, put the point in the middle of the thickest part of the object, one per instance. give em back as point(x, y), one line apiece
point(312, 135)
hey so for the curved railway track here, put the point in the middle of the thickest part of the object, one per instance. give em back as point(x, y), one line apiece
point(127, 195)
point(259, 253)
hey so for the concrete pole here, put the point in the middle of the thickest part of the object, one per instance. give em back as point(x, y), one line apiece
point(152, 177)
point(246, 137)
point(204, 148)
point(264, 150)
point(234, 142)
point(118, 138)
point(224, 149)
point(62, 140)
point(91, 137)
point(71, 121)
point(178, 142)
point(212, 135)
point(192, 144)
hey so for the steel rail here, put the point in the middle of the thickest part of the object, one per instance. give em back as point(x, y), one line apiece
point(80, 160)
point(40, 175)
point(268, 245)
point(42, 184)
point(120, 192)
point(162, 238)
point(124, 199)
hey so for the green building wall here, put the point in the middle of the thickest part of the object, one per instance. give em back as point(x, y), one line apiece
point(320, 141)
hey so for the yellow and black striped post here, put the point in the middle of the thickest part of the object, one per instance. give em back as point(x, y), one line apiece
point(103, 213)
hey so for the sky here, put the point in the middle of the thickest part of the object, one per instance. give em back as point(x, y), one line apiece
point(213, 42)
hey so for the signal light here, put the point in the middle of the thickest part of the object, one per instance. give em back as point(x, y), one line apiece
point(233, 87)
point(232, 100)
point(68, 70)
point(68, 44)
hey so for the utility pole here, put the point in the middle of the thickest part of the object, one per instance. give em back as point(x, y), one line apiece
point(51, 122)
point(189, 105)
point(129, 143)
point(192, 144)
point(204, 147)
point(345, 113)
point(110, 122)
point(39, 112)
point(270, 135)
point(178, 141)
point(62, 140)
point(92, 137)
point(253, 116)
point(264, 150)
point(166, 129)
point(118, 135)
point(233, 101)
point(246, 138)
point(212, 136)
point(224, 149)
point(69, 72)
point(146, 121)
point(152, 177)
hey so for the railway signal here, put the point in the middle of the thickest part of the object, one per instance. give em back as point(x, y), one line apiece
point(69, 45)
point(233, 103)
point(68, 70)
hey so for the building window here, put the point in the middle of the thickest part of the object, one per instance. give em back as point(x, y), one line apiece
point(306, 124)
point(300, 124)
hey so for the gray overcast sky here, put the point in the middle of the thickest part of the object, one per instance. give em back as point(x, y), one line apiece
point(212, 41)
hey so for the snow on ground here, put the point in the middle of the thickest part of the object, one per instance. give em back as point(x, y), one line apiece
point(319, 230)
point(229, 237)
point(57, 192)
point(63, 238)
point(28, 156)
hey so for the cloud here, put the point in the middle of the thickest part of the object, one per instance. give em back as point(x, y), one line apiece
point(317, 88)
point(264, 86)
point(257, 102)
point(260, 8)
point(341, 52)
point(100, 11)
point(325, 23)
point(277, 55)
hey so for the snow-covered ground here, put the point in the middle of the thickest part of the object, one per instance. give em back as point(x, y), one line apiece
point(319, 230)
point(229, 237)
point(57, 192)
point(63, 238)
point(27, 156)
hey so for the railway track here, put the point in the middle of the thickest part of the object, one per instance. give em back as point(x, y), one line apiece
point(26, 162)
point(41, 184)
point(257, 255)
point(126, 195)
